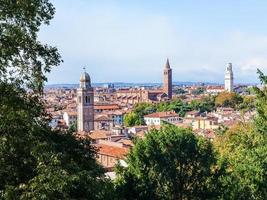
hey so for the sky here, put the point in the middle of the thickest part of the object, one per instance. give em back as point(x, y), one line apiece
point(129, 41)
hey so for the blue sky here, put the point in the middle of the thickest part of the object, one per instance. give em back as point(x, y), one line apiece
point(129, 41)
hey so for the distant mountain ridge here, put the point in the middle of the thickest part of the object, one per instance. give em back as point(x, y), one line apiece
point(125, 85)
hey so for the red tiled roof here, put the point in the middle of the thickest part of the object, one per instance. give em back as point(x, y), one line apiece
point(162, 114)
point(106, 107)
point(102, 118)
point(117, 152)
point(99, 135)
point(215, 87)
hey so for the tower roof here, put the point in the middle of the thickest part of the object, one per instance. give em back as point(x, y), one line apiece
point(229, 67)
point(85, 80)
point(85, 77)
point(167, 65)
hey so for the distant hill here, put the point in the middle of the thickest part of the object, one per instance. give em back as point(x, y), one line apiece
point(125, 85)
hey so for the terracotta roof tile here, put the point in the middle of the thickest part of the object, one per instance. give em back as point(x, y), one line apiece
point(117, 152)
point(162, 114)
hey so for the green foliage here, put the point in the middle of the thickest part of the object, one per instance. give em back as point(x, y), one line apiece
point(72, 128)
point(248, 104)
point(206, 104)
point(36, 162)
point(136, 117)
point(198, 91)
point(179, 91)
point(221, 130)
point(39, 163)
point(261, 105)
point(176, 105)
point(243, 150)
point(228, 99)
point(23, 58)
point(170, 163)
point(132, 119)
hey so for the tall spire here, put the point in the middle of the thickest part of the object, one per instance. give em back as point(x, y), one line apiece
point(167, 80)
point(167, 65)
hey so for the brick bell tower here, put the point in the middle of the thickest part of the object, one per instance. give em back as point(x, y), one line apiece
point(85, 104)
point(167, 79)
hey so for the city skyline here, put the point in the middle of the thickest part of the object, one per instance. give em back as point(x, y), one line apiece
point(127, 42)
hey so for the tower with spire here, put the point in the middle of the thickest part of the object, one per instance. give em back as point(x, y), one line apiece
point(167, 79)
point(85, 104)
point(229, 78)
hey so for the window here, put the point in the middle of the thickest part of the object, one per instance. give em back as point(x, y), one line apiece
point(80, 99)
point(87, 99)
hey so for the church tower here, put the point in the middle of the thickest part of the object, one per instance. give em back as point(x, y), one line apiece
point(85, 104)
point(229, 78)
point(167, 80)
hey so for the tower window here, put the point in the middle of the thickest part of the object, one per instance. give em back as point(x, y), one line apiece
point(86, 99)
point(80, 99)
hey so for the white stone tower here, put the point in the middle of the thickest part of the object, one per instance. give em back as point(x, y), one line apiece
point(167, 80)
point(229, 78)
point(85, 104)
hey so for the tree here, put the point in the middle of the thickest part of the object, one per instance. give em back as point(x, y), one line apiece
point(179, 91)
point(243, 150)
point(170, 163)
point(206, 104)
point(228, 99)
point(23, 58)
point(261, 105)
point(198, 91)
point(176, 105)
point(136, 116)
point(132, 119)
point(36, 162)
point(248, 104)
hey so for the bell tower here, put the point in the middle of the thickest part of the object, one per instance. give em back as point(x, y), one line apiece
point(167, 80)
point(85, 104)
point(229, 78)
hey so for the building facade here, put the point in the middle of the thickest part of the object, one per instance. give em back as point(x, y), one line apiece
point(85, 104)
point(229, 78)
point(159, 117)
point(167, 80)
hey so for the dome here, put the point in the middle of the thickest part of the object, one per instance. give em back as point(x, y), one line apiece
point(85, 80)
point(85, 77)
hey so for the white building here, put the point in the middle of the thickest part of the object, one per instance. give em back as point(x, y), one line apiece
point(214, 90)
point(229, 78)
point(70, 117)
point(158, 117)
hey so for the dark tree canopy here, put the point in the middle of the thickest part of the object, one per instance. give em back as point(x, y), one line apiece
point(23, 58)
point(35, 161)
point(170, 163)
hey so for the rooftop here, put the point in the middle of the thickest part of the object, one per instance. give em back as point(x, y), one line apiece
point(162, 114)
point(117, 152)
